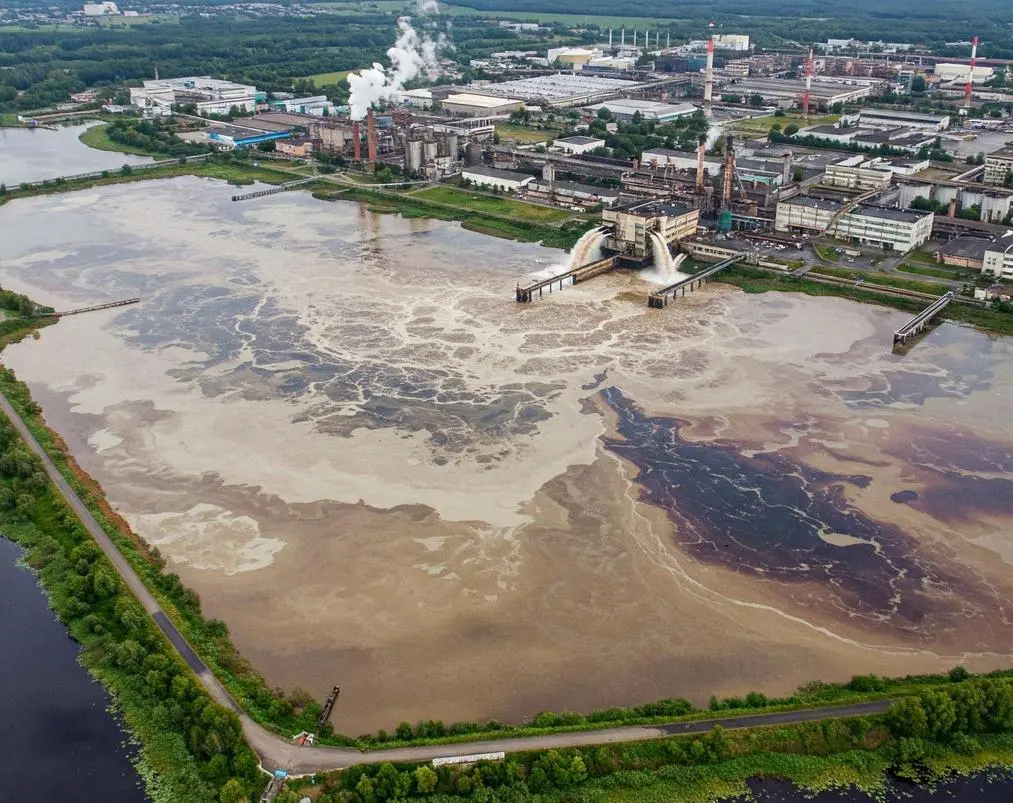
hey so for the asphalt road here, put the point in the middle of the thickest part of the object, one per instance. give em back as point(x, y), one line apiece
point(278, 753)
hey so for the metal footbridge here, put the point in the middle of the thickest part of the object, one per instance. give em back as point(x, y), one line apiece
point(659, 298)
point(903, 335)
point(526, 293)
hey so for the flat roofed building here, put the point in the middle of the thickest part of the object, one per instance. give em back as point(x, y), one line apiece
point(959, 72)
point(467, 104)
point(681, 160)
point(635, 225)
point(560, 90)
point(571, 193)
point(865, 176)
point(578, 144)
point(965, 252)
point(822, 92)
point(897, 117)
point(500, 179)
point(998, 166)
point(625, 109)
point(998, 258)
point(884, 227)
point(209, 95)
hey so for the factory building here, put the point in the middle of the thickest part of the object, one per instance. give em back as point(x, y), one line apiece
point(964, 252)
point(331, 135)
point(998, 166)
point(317, 106)
point(624, 109)
point(227, 138)
point(731, 41)
point(416, 98)
point(680, 160)
point(467, 104)
point(561, 90)
point(571, 193)
point(857, 173)
point(636, 227)
point(209, 95)
point(499, 179)
point(578, 144)
point(885, 118)
point(298, 147)
point(959, 72)
point(998, 258)
point(788, 93)
point(891, 229)
point(572, 58)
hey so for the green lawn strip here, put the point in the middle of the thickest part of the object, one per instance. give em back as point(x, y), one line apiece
point(921, 256)
point(885, 279)
point(827, 253)
point(753, 280)
point(523, 133)
point(410, 206)
point(481, 202)
point(939, 272)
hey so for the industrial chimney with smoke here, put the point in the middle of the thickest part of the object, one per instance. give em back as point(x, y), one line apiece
point(371, 136)
point(708, 87)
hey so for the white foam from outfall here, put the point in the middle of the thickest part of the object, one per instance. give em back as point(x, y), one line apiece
point(587, 248)
point(665, 269)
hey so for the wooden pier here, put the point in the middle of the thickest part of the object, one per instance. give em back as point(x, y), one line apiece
point(660, 298)
point(913, 327)
point(274, 190)
point(581, 274)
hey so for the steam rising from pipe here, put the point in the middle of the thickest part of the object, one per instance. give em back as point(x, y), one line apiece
point(411, 55)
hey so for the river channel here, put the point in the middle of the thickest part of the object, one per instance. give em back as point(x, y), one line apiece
point(59, 742)
point(40, 154)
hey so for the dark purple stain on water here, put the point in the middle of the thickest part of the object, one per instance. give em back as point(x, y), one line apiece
point(769, 516)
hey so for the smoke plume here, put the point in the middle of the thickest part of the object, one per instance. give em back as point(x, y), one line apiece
point(411, 55)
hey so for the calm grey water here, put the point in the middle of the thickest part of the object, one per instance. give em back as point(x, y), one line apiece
point(58, 741)
point(979, 789)
point(35, 155)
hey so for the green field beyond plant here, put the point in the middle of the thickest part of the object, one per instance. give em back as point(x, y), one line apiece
point(328, 78)
point(480, 202)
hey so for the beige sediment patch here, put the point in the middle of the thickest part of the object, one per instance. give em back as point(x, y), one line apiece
point(207, 537)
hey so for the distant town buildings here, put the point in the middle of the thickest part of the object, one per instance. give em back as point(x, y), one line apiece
point(100, 9)
point(624, 110)
point(318, 105)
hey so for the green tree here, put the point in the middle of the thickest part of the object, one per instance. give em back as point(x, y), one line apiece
point(907, 717)
point(940, 713)
point(233, 792)
point(425, 780)
point(918, 84)
point(790, 130)
point(798, 175)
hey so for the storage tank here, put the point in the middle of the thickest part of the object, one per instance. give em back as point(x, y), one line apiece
point(431, 151)
point(414, 155)
point(452, 146)
point(944, 194)
point(473, 153)
point(908, 192)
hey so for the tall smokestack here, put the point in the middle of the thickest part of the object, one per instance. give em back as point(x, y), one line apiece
point(371, 135)
point(634, 37)
point(786, 170)
point(699, 166)
point(610, 38)
point(808, 84)
point(968, 88)
point(708, 87)
point(729, 171)
point(622, 36)
point(668, 39)
point(356, 141)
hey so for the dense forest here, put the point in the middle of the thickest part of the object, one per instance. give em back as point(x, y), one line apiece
point(47, 64)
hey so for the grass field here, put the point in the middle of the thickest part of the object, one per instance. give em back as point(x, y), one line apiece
point(488, 203)
point(939, 272)
point(761, 125)
point(326, 78)
point(522, 133)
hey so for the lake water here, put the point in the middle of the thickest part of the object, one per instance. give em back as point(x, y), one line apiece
point(39, 154)
point(58, 742)
point(979, 789)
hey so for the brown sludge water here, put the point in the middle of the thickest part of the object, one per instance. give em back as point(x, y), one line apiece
point(379, 470)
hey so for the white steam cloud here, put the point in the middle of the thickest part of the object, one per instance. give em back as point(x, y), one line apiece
point(411, 55)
